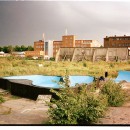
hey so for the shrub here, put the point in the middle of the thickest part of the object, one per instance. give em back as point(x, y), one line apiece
point(76, 106)
point(115, 94)
point(52, 59)
point(84, 64)
point(112, 65)
point(1, 99)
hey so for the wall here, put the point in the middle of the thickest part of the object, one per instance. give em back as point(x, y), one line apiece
point(92, 54)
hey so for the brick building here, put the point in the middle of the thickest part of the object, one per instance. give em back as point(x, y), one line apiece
point(50, 48)
point(38, 50)
point(117, 41)
point(70, 41)
point(39, 45)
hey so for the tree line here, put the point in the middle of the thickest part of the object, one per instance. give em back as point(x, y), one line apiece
point(10, 48)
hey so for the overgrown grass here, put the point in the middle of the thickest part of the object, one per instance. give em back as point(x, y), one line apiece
point(15, 66)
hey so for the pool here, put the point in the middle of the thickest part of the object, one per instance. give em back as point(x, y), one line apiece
point(40, 80)
point(123, 75)
point(30, 86)
point(52, 81)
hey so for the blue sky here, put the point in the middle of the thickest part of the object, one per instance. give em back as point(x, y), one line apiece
point(23, 22)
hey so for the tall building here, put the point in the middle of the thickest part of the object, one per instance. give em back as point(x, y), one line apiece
point(117, 41)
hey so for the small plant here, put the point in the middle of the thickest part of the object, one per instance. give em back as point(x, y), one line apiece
point(84, 64)
point(111, 65)
point(116, 96)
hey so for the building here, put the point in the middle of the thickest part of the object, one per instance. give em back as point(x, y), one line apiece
point(56, 46)
point(34, 54)
point(70, 41)
point(38, 50)
point(87, 43)
point(48, 47)
point(117, 41)
point(18, 54)
point(2, 54)
point(39, 45)
point(93, 54)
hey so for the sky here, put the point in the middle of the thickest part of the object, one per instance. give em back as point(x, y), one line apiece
point(23, 22)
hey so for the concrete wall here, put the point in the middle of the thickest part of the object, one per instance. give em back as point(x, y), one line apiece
point(92, 54)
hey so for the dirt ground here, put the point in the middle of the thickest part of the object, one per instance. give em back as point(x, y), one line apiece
point(118, 115)
point(24, 111)
point(20, 111)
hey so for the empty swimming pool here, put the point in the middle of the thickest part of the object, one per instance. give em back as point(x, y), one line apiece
point(30, 86)
point(123, 75)
point(52, 81)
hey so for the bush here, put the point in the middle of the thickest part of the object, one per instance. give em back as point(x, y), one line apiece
point(76, 106)
point(1, 99)
point(52, 59)
point(116, 96)
point(84, 64)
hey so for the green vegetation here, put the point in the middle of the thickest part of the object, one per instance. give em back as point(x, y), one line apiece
point(73, 106)
point(9, 49)
point(76, 106)
point(1, 99)
point(16, 66)
point(116, 96)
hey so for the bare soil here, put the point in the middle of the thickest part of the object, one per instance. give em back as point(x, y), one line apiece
point(21, 111)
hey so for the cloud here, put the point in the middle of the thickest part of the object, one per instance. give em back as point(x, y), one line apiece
point(25, 22)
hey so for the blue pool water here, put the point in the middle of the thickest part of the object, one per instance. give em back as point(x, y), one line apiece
point(52, 81)
point(80, 79)
point(123, 75)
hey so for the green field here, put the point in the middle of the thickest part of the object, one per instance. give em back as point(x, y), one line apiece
point(14, 66)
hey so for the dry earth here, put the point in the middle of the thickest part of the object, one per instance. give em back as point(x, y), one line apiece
point(25, 111)
point(22, 111)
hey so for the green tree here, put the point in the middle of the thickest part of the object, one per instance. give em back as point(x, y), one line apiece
point(30, 48)
point(17, 48)
point(10, 48)
point(23, 48)
point(1, 48)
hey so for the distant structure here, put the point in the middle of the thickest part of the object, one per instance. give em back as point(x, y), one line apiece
point(48, 48)
point(117, 41)
point(92, 54)
point(70, 41)
point(38, 50)
point(18, 54)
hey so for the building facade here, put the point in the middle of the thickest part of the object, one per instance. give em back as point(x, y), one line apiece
point(39, 45)
point(70, 41)
point(117, 41)
point(48, 48)
point(38, 50)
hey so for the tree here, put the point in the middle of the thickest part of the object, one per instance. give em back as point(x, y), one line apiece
point(10, 48)
point(1, 48)
point(23, 48)
point(17, 48)
point(30, 48)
